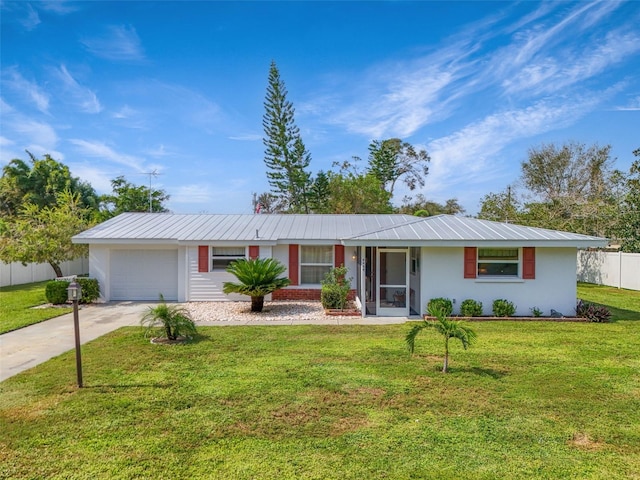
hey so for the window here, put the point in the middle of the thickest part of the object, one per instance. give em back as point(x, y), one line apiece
point(315, 263)
point(221, 257)
point(498, 262)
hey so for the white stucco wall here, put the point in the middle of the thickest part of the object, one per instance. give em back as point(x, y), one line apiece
point(442, 275)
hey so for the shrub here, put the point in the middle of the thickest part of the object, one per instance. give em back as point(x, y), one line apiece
point(170, 321)
point(503, 308)
point(536, 312)
point(90, 290)
point(56, 291)
point(440, 304)
point(335, 289)
point(593, 313)
point(470, 308)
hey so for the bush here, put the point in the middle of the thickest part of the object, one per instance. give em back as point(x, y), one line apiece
point(593, 313)
point(90, 290)
point(439, 304)
point(470, 308)
point(503, 308)
point(335, 289)
point(170, 321)
point(536, 312)
point(56, 291)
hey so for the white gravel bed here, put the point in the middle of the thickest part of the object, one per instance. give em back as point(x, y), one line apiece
point(282, 310)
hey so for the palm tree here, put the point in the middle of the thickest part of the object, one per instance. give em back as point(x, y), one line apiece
point(257, 277)
point(446, 327)
point(173, 320)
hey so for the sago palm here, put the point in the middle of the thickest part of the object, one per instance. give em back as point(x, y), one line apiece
point(257, 277)
point(448, 329)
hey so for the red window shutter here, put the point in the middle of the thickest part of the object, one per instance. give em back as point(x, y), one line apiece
point(470, 262)
point(339, 255)
point(529, 263)
point(203, 258)
point(293, 264)
point(254, 251)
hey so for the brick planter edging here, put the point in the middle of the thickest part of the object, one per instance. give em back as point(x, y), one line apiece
point(514, 319)
point(336, 312)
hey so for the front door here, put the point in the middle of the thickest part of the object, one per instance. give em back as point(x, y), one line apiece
point(392, 282)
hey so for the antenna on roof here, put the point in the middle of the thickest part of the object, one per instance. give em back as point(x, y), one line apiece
point(153, 174)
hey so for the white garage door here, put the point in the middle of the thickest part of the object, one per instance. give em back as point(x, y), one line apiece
point(144, 274)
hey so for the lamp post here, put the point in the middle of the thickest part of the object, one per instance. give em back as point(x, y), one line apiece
point(73, 293)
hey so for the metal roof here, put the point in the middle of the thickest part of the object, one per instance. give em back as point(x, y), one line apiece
point(374, 230)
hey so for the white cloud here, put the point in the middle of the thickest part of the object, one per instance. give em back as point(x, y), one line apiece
point(194, 193)
point(125, 112)
point(99, 178)
point(248, 137)
point(159, 151)
point(32, 20)
point(31, 90)
point(633, 105)
point(104, 152)
point(34, 132)
point(467, 155)
point(84, 97)
point(119, 43)
point(5, 142)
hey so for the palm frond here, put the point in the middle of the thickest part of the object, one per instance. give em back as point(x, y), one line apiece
point(410, 338)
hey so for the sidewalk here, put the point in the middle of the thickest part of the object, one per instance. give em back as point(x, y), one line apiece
point(35, 344)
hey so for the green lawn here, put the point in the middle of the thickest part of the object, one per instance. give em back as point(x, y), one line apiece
point(624, 304)
point(16, 302)
point(529, 400)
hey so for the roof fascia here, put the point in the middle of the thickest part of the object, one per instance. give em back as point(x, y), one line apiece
point(476, 243)
point(125, 241)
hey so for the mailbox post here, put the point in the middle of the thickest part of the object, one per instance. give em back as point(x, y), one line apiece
point(74, 292)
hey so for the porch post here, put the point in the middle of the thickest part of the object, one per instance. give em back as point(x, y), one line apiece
point(362, 261)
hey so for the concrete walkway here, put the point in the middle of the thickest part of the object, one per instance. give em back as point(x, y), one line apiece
point(35, 344)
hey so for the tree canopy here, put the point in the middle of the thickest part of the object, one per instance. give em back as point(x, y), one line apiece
point(628, 228)
point(285, 155)
point(570, 187)
point(127, 197)
point(391, 160)
point(38, 182)
point(43, 234)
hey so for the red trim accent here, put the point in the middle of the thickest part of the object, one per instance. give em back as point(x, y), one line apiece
point(203, 258)
point(254, 251)
point(293, 263)
point(339, 256)
point(470, 262)
point(529, 263)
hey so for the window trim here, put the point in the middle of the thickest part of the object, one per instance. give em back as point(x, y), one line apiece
point(302, 264)
point(517, 262)
point(213, 257)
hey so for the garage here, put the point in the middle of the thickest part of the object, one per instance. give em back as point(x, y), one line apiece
point(144, 274)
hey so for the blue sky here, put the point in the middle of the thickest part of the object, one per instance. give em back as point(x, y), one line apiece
point(125, 88)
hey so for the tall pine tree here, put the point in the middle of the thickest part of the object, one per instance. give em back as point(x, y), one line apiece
point(285, 155)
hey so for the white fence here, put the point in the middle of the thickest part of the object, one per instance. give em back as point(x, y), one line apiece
point(615, 269)
point(17, 274)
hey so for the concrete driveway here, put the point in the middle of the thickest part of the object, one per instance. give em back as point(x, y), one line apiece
point(35, 344)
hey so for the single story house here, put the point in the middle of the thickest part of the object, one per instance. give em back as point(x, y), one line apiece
point(396, 263)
